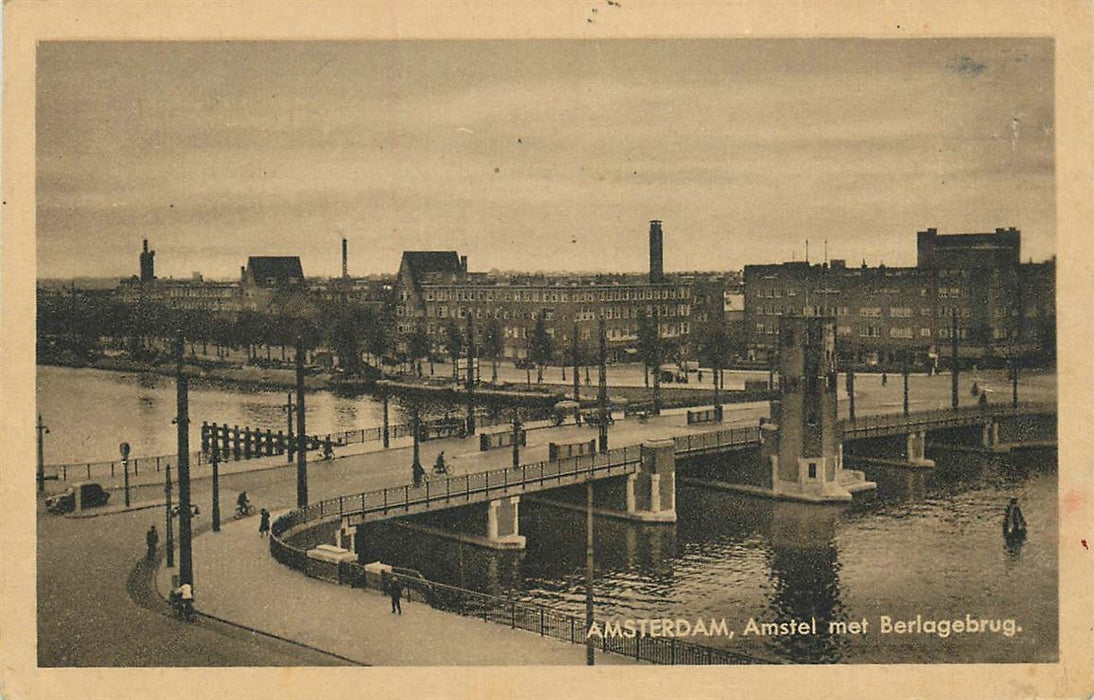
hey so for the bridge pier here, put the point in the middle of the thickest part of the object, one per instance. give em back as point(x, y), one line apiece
point(915, 451)
point(651, 491)
point(503, 524)
point(990, 434)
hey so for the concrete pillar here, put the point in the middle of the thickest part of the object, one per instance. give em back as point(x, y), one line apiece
point(990, 434)
point(503, 524)
point(916, 445)
point(651, 492)
point(346, 536)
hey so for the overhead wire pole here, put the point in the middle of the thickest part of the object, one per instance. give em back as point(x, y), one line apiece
point(590, 644)
point(470, 374)
point(602, 397)
point(42, 430)
point(574, 358)
point(289, 436)
point(953, 359)
point(301, 430)
point(182, 420)
point(170, 540)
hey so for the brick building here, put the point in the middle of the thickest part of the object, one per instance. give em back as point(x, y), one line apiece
point(886, 315)
point(433, 288)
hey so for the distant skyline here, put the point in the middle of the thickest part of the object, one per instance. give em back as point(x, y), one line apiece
point(536, 155)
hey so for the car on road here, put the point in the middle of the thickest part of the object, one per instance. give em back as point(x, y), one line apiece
point(91, 494)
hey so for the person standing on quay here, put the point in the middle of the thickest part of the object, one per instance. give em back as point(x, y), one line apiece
point(152, 539)
point(263, 522)
point(395, 590)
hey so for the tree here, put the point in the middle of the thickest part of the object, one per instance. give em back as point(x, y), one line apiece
point(715, 345)
point(492, 346)
point(647, 344)
point(453, 345)
point(378, 335)
point(417, 347)
point(540, 346)
point(649, 351)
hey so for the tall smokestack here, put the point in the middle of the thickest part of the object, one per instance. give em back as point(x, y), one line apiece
point(148, 264)
point(657, 261)
point(345, 259)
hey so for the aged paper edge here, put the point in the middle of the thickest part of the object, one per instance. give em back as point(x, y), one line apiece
point(1067, 22)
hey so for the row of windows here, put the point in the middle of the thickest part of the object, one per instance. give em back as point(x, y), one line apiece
point(553, 295)
point(865, 311)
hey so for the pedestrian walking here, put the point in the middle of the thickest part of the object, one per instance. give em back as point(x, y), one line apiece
point(152, 539)
point(395, 590)
point(263, 523)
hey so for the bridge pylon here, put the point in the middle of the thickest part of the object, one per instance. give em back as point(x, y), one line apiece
point(801, 443)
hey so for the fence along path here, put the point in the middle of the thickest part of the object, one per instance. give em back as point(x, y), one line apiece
point(115, 468)
point(526, 615)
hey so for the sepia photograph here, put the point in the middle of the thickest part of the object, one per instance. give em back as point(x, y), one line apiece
point(539, 351)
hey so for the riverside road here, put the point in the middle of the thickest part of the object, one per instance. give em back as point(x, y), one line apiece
point(95, 609)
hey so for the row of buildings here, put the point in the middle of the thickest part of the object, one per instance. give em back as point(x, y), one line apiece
point(887, 316)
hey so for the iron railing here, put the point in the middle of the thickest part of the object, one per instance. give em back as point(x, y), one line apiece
point(890, 424)
point(516, 614)
point(474, 487)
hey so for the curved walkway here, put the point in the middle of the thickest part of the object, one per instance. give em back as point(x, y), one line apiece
point(236, 579)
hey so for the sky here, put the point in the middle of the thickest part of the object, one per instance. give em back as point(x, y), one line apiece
point(547, 155)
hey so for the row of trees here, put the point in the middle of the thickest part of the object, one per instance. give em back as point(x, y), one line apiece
point(80, 322)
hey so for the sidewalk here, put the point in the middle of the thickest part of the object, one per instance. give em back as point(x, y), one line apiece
point(236, 579)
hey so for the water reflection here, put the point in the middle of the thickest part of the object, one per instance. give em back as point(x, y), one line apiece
point(804, 569)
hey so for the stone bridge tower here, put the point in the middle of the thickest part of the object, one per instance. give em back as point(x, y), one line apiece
point(801, 443)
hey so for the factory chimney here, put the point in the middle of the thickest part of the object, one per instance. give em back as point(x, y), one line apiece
point(148, 265)
point(657, 261)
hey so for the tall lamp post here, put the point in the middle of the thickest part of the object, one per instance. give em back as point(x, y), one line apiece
point(42, 430)
point(603, 388)
point(186, 565)
point(953, 360)
point(301, 430)
point(170, 539)
point(589, 570)
point(216, 491)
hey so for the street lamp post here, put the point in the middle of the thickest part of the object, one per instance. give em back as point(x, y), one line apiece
point(904, 373)
point(42, 430)
point(953, 360)
point(216, 491)
point(291, 451)
point(170, 542)
point(589, 570)
point(186, 565)
point(516, 437)
point(301, 430)
point(602, 397)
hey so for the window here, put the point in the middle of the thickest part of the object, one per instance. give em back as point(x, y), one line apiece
point(870, 311)
point(925, 332)
point(870, 332)
point(812, 470)
point(900, 332)
point(900, 312)
point(843, 330)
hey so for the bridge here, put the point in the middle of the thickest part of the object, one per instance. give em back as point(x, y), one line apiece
point(646, 498)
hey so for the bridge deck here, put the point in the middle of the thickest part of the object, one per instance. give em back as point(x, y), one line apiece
point(486, 485)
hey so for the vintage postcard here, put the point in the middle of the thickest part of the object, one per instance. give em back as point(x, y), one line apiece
point(449, 349)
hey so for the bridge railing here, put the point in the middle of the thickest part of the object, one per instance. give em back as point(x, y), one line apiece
point(730, 437)
point(518, 614)
point(464, 487)
point(883, 424)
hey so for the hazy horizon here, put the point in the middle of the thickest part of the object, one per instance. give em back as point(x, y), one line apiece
point(547, 155)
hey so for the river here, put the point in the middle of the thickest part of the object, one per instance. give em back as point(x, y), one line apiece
point(141, 407)
point(928, 543)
